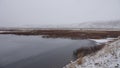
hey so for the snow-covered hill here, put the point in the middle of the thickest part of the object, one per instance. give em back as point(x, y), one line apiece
point(102, 24)
point(110, 24)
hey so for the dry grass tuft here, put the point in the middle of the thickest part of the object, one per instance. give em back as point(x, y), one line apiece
point(81, 52)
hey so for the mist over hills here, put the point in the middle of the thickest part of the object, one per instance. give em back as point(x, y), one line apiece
point(109, 24)
point(100, 24)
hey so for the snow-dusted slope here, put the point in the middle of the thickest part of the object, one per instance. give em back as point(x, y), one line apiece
point(108, 57)
point(100, 24)
point(110, 24)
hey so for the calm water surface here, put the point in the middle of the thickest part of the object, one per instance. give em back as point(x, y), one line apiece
point(37, 52)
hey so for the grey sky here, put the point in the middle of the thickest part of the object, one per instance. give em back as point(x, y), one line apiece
point(37, 12)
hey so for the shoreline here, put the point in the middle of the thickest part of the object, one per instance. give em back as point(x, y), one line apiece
point(87, 60)
point(72, 34)
point(110, 54)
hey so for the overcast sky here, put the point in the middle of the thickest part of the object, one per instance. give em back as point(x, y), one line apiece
point(38, 12)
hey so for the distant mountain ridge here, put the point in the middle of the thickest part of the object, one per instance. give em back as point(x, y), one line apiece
point(110, 24)
point(100, 24)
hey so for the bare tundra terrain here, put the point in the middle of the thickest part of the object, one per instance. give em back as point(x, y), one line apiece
point(66, 33)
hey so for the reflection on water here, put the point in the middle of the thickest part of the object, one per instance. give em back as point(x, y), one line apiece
point(57, 36)
point(38, 52)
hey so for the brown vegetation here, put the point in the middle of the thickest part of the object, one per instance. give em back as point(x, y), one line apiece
point(81, 52)
point(73, 34)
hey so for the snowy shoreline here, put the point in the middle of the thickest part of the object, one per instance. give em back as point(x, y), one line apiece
point(103, 41)
point(108, 57)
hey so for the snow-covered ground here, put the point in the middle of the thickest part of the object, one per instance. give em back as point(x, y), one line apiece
point(4, 31)
point(103, 41)
point(108, 57)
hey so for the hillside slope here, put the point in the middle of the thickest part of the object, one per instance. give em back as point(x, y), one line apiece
point(110, 24)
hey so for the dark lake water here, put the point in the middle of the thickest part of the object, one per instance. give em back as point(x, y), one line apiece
point(37, 52)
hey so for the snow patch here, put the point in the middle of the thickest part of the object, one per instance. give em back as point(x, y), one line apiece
point(102, 41)
point(4, 31)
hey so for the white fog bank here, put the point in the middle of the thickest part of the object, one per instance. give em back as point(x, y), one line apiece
point(44, 12)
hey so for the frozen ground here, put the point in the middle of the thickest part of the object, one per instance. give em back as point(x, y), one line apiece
point(103, 41)
point(108, 57)
point(4, 31)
